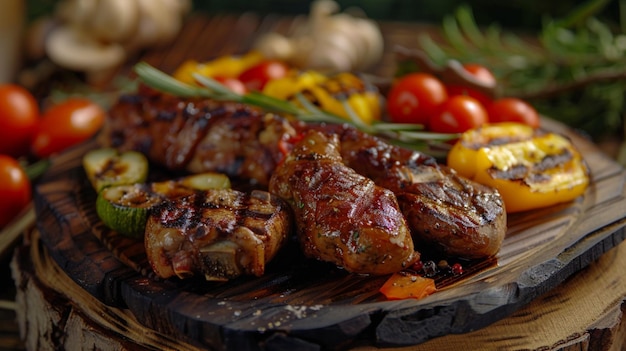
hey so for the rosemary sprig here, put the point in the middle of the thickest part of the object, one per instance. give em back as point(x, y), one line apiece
point(409, 135)
point(572, 70)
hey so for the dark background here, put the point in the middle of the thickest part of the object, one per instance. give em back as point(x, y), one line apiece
point(513, 14)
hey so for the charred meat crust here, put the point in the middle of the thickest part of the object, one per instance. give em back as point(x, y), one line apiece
point(220, 234)
point(198, 135)
point(458, 216)
point(341, 216)
point(444, 210)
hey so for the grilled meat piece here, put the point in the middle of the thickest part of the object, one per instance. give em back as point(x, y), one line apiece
point(444, 210)
point(460, 217)
point(198, 135)
point(341, 216)
point(221, 233)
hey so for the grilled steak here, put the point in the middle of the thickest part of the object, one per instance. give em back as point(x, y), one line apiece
point(444, 210)
point(198, 135)
point(341, 216)
point(218, 233)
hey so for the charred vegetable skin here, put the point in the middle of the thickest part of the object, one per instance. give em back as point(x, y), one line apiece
point(107, 167)
point(221, 234)
point(333, 93)
point(125, 207)
point(531, 169)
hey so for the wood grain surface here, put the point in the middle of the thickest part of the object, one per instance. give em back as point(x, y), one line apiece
point(583, 313)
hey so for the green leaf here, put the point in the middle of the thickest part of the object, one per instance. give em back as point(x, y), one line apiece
point(468, 26)
point(581, 13)
point(165, 83)
point(454, 36)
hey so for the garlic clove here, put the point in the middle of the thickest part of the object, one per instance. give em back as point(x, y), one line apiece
point(275, 46)
point(113, 20)
point(373, 42)
point(159, 22)
point(76, 12)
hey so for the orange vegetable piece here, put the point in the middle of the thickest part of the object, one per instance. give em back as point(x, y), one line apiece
point(404, 285)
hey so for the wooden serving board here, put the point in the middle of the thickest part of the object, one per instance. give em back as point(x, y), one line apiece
point(301, 304)
point(305, 304)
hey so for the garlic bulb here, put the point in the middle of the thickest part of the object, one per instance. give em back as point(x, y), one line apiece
point(327, 41)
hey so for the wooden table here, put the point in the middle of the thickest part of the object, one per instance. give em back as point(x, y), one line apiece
point(583, 313)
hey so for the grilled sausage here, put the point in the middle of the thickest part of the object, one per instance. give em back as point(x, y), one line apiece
point(341, 216)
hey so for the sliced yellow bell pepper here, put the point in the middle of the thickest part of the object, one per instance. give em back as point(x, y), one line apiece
point(330, 93)
point(295, 82)
point(225, 66)
point(529, 168)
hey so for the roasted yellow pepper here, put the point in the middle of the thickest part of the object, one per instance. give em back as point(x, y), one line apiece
point(224, 66)
point(329, 93)
point(529, 168)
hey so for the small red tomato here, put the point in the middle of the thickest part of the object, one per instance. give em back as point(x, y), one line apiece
point(15, 189)
point(458, 114)
point(481, 74)
point(234, 84)
point(255, 77)
point(415, 98)
point(513, 110)
point(66, 124)
point(19, 115)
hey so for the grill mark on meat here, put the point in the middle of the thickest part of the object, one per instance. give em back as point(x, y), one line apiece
point(341, 216)
point(220, 233)
point(461, 217)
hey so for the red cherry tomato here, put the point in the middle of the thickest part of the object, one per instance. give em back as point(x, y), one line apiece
point(415, 98)
point(234, 84)
point(481, 74)
point(513, 110)
point(66, 124)
point(19, 115)
point(255, 77)
point(458, 114)
point(15, 189)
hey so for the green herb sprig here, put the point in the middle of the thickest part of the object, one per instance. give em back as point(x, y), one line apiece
point(408, 135)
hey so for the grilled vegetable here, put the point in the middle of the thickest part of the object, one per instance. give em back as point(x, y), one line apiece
point(529, 168)
point(187, 185)
point(404, 285)
point(106, 167)
point(335, 94)
point(125, 208)
point(223, 66)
